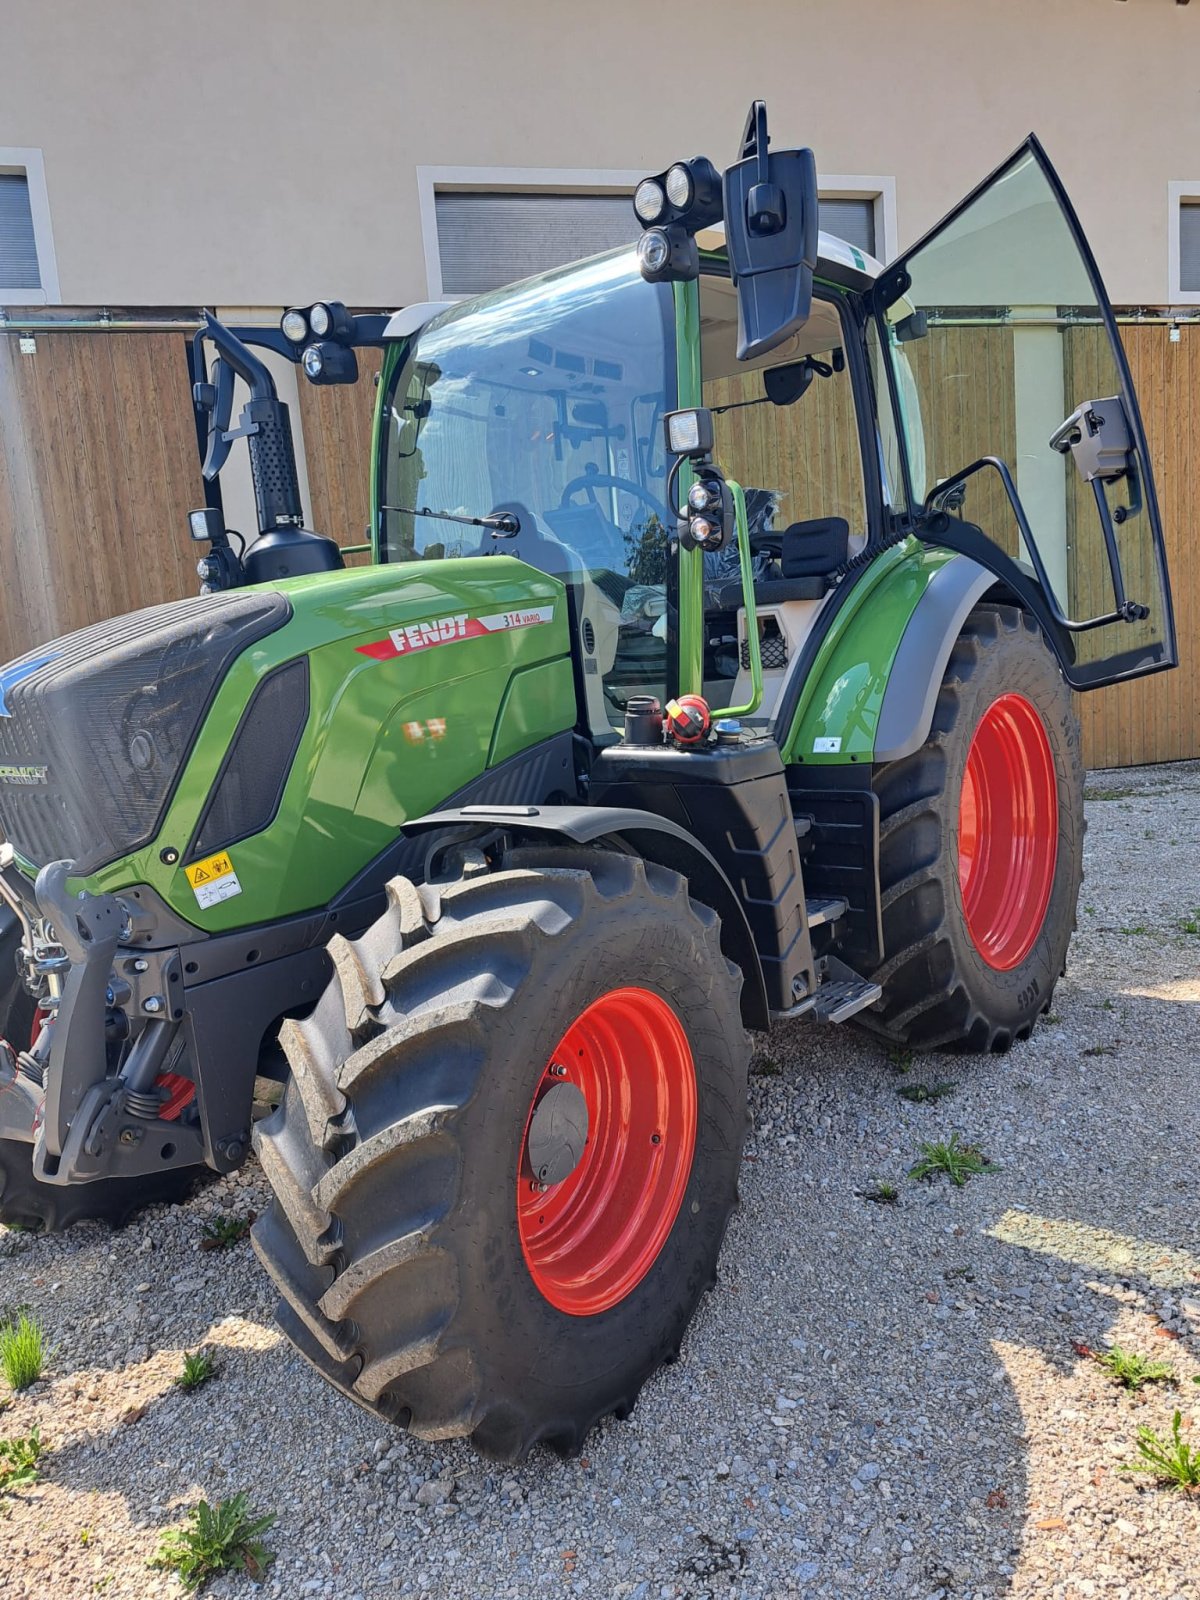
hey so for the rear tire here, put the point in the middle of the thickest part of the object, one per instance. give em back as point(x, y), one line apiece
point(981, 847)
point(400, 1234)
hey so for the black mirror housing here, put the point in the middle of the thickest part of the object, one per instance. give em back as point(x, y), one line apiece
point(771, 233)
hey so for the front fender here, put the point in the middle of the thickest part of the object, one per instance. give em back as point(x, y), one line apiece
point(652, 837)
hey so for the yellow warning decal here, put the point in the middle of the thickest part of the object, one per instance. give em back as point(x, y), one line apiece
point(205, 871)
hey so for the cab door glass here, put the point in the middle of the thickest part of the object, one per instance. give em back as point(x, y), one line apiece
point(1001, 332)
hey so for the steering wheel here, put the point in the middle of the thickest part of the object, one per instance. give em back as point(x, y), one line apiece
point(588, 481)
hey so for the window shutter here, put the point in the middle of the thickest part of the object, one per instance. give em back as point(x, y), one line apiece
point(852, 220)
point(1189, 247)
point(18, 250)
point(486, 239)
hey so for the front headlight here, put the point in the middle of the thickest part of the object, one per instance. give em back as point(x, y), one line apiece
point(314, 361)
point(320, 319)
point(294, 325)
point(649, 201)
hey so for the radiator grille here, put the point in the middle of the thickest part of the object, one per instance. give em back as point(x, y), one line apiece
point(95, 727)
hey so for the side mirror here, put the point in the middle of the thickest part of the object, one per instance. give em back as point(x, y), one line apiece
point(771, 233)
point(215, 397)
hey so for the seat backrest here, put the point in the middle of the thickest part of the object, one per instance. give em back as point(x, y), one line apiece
point(819, 546)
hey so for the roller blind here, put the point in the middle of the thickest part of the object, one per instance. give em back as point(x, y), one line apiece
point(1189, 246)
point(852, 220)
point(487, 239)
point(18, 250)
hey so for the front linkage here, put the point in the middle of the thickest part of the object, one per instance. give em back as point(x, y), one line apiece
point(141, 1060)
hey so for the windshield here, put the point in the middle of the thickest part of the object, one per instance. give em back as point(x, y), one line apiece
point(545, 400)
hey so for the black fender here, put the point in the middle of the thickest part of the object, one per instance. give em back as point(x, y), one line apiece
point(906, 712)
point(643, 834)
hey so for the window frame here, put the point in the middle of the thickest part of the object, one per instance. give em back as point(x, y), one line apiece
point(1179, 194)
point(26, 162)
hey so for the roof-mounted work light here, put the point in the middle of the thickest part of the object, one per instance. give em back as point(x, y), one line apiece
point(673, 206)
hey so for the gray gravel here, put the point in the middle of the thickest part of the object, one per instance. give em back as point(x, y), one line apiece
point(877, 1400)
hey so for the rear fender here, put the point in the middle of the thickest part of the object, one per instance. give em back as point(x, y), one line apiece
point(640, 833)
point(871, 691)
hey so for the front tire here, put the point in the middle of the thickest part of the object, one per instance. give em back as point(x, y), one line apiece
point(981, 846)
point(425, 1267)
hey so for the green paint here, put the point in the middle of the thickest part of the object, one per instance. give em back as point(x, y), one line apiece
point(843, 693)
point(691, 562)
point(386, 739)
point(755, 648)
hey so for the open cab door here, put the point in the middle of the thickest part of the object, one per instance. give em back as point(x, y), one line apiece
point(1025, 447)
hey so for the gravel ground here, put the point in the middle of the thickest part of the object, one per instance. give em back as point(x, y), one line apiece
point(877, 1399)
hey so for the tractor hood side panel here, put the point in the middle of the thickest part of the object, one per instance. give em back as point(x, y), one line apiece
point(411, 668)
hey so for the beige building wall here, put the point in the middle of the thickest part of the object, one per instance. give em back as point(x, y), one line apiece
point(259, 154)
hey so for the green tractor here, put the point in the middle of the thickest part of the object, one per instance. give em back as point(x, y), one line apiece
point(713, 670)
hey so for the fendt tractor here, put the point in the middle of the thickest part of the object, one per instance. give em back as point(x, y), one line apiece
point(713, 670)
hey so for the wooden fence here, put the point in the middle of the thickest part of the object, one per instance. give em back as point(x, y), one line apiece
point(98, 468)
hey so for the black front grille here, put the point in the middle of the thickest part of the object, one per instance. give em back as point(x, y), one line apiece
point(95, 727)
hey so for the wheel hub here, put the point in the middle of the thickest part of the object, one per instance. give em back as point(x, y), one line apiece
point(557, 1133)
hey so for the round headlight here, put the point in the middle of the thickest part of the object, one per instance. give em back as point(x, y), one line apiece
point(654, 250)
point(314, 361)
point(700, 497)
point(704, 531)
point(295, 326)
point(680, 187)
point(320, 319)
point(649, 201)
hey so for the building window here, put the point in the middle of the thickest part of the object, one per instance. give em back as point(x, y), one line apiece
point(484, 227)
point(487, 239)
point(1183, 243)
point(18, 247)
point(1189, 246)
point(28, 275)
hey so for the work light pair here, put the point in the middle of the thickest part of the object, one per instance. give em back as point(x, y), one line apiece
point(325, 332)
point(672, 207)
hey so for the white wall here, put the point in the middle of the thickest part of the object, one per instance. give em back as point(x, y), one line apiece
point(265, 154)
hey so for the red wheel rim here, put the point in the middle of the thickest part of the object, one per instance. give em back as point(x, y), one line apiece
point(1007, 831)
point(591, 1239)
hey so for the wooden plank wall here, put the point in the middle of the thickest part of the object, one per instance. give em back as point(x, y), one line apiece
point(98, 468)
point(1158, 718)
point(337, 421)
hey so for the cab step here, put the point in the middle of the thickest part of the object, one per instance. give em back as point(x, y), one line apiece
point(843, 993)
point(823, 909)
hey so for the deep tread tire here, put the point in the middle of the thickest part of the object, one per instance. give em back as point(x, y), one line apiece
point(393, 1237)
point(50, 1207)
point(938, 991)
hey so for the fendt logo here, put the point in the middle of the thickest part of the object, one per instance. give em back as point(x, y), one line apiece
point(444, 630)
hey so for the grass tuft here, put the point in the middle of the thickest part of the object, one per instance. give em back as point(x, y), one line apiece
point(957, 1160)
point(1131, 1369)
point(222, 1232)
point(765, 1067)
point(198, 1368)
point(900, 1059)
point(883, 1194)
point(1173, 1462)
point(215, 1539)
point(921, 1093)
point(18, 1461)
point(23, 1351)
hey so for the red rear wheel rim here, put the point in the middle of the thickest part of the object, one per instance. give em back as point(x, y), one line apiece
point(591, 1239)
point(1007, 831)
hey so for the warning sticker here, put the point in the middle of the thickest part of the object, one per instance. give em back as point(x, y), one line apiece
point(213, 880)
point(827, 747)
point(445, 630)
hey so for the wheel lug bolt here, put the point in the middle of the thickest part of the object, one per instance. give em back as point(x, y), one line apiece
point(557, 1070)
point(656, 1138)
